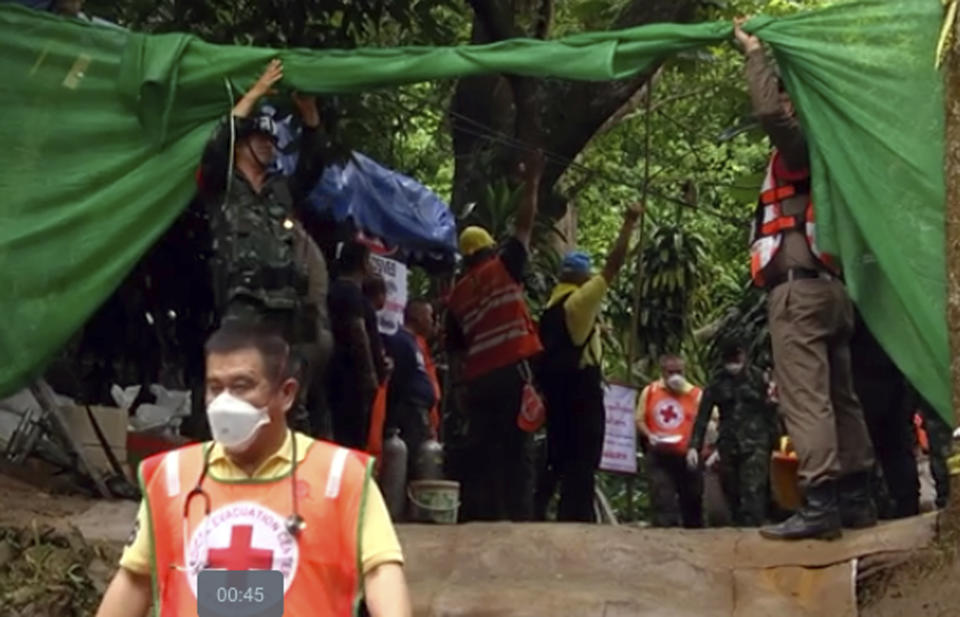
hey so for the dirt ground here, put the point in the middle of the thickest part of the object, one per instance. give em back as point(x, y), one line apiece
point(919, 592)
point(47, 567)
point(22, 503)
point(927, 585)
point(526, 570)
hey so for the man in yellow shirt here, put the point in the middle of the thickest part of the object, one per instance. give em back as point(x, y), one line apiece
point(571, 376)
point(334, 511)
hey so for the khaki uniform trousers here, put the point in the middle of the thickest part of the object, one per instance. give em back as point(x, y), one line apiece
point(811, 321)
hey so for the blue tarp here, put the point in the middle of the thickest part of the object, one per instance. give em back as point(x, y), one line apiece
point(387, 204)
point(381, 202)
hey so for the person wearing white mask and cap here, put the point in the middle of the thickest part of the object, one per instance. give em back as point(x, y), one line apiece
point(666, 411)
point(259, 497)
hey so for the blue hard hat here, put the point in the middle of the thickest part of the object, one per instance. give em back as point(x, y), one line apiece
point(577, 261)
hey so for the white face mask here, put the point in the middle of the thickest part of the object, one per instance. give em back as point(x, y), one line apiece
point(675, 382)
point(234, 422)
point(734, 368)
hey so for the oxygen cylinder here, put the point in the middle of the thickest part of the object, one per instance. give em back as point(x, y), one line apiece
point(429, 462)
point(393, 474)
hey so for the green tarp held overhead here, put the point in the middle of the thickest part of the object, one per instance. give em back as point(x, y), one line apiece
point(102, 131)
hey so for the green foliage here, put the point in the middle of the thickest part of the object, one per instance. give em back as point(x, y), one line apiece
point(292, 23)
point(495, 212)
point(671, 273)
point(629, 495)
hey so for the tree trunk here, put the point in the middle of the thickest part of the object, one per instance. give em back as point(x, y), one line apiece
point(559, 116)
point(950, 520)
point(953, 210)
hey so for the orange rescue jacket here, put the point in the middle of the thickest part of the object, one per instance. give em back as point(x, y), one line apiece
point(782, 183)
point(246, 529)
point(493, 316)
point(670, 416)
point(431, 368)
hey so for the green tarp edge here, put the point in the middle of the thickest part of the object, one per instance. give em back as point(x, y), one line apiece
point(103, 129)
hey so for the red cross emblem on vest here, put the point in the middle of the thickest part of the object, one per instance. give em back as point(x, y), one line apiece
point(669, 414)
point(241, 536)
point(240, 554)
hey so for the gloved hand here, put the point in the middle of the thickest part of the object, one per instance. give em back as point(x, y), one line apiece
point(713, 459)
point(772, 394)
point(693, 459)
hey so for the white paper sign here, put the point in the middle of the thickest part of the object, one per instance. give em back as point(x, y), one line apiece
point(620, 437)
point(394, 273)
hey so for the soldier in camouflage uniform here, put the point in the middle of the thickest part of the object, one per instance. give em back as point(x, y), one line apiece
point(259, 270)
point(747, 432)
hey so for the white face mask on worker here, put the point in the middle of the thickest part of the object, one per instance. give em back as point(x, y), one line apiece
point(734, 368)
point(234, 422)
point(676, 382)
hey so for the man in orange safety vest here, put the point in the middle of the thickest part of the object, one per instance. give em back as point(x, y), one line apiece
point(491, 337)
point(259, 497)
point(811, 321)
point(666, 412)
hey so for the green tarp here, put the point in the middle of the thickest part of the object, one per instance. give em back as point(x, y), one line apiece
point(102, 130)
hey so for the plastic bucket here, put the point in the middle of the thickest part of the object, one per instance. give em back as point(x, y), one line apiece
point(433, 501)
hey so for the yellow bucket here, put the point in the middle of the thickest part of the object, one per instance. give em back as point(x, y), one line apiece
point(783, 477)
point(954, 465)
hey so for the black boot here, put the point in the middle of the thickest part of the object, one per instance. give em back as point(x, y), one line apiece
point(817, 519)
point(858, 510)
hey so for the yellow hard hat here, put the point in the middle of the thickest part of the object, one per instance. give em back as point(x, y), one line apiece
point(473, 239)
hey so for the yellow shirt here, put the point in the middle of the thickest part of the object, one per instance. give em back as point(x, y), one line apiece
point(380, 544)
point(581, 311)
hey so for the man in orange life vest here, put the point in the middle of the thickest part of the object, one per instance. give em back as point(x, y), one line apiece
point(811, 321)
point(491, 336)
point(261, 497)
point(666, 411)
